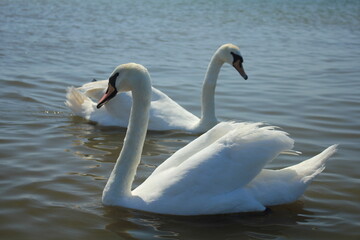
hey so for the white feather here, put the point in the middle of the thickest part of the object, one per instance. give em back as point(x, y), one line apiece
point(219, 172)
point(165, 113)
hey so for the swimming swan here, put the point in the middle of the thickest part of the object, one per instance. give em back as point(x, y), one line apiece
point(219, 172)
point(165, 113)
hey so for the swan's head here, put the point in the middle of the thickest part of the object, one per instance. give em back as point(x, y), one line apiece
point(124, 78)
point(230, 54)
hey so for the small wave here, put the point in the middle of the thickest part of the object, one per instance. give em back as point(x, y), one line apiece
point(17, 83)
point(18, 97)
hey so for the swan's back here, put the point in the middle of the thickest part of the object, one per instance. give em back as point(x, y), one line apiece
point(165, 113)
point(215, 167)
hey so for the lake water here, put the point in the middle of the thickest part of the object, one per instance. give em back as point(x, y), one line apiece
point(303, 62)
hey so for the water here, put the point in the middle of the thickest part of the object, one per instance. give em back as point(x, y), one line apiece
point(303, 62)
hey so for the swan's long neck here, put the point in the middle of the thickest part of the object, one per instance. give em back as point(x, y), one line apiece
point(120, 181)
point(208, 91)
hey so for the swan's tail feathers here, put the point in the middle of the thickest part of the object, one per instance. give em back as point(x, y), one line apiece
point(310, 168)
point(78, 102)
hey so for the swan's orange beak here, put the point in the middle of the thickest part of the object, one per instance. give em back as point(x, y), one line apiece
point(239, 67)
point(109, 94)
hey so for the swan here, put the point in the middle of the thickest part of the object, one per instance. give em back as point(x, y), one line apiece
point(165, 113)
point(219, 172)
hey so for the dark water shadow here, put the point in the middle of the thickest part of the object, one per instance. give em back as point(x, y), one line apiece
point(270, 224)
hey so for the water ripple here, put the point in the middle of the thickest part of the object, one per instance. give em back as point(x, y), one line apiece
point(302, 58)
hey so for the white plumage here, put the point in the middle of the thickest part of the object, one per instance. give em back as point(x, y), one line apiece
point(165, 113)
point(219, 172)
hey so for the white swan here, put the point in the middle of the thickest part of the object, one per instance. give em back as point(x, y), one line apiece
point(219, 172)
point(165, 114)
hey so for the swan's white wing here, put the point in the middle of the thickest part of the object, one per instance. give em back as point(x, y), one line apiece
point(165, 114)
point(273, 187)
point(85, 107)
point(202, 142)
point(217, 173)
point(94, 90)
point(114, 113)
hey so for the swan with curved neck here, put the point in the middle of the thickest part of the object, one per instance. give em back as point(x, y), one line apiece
point(165, 113)
point(219, 172)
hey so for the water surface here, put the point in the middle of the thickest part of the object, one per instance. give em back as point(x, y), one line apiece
point(303, 62)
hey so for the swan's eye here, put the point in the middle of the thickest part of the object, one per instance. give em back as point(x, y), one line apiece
point(112, 79)
point(237, 58)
